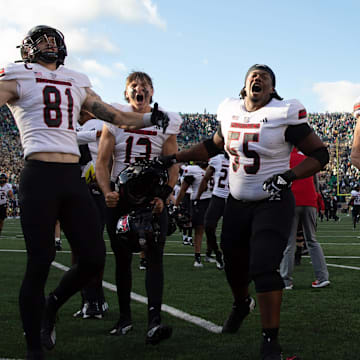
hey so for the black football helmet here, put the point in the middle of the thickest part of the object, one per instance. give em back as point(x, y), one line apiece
point(3, 179)
point(138, 230)
point(29, 47)
point(140, 182)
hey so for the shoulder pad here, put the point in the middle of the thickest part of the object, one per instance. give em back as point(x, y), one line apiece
point(16, 72)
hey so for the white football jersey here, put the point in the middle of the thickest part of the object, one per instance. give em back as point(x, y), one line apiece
point(48, 106)
point(255, 142)
point(86, 134)
point(356, 195)
point(220, 164)
point(356, 109)
point(197, 173)
point(133, 145)
point(4, 189)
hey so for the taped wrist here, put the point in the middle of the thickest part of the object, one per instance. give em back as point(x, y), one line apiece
point(211, 148)
point(147, 120)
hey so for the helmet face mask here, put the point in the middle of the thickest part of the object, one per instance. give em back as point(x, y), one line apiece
point(32, 49)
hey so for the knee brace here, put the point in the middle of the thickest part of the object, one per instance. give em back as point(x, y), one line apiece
point(269, 281)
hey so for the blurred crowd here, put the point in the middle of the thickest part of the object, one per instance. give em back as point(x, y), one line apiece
point(335, 129)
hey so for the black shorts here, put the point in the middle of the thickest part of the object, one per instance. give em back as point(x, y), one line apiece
point(198, 212)
point(3, 211)
point(214, 211)
point(257, 232)
point(55, 191)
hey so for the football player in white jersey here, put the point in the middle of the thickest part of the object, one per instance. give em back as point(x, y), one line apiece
point(5, 194)
point(355, 203)
point(218, 170)
point(46, 98)
point(258, 132)
point(193, 175)
point(125, 147)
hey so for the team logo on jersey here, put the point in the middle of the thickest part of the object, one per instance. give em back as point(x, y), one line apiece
point(53, 76)
point(235, 117)
point(246, 119)
point(302, 114)
point(2, 72)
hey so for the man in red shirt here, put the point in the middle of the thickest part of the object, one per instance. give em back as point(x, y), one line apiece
point(306, 212)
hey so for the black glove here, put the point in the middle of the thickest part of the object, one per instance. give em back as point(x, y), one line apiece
point(159, 118)
point(275, 184)
point(166, 160)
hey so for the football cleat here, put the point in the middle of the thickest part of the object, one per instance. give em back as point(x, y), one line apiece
point(219, 261)
point(122, 327)
point(58, 245)
point(92, 310)
point(48, 333)
point(143, 264)
point(237, 315)
point(157, 334)
point(271, 350)
point(78, 314)
point(198, 263)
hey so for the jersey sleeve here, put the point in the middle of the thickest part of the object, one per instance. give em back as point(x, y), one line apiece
point(175, 121)
point(296, 113)
point(356, 109)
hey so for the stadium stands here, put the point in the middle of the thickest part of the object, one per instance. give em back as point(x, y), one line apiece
point(335, 129)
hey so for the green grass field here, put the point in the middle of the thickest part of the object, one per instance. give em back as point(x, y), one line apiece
point(316, 324)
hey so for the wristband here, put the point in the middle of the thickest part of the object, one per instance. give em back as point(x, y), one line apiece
point(147, 120)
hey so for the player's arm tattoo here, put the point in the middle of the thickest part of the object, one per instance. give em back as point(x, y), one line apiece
point(101, 110)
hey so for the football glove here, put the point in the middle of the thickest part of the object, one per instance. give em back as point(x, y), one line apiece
point(159, 118)
point(277, 183)
point(167, 160)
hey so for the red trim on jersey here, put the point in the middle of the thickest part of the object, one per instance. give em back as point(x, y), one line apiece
point(357, 106)
point(302, 114)
point(143, 132)
point(2, 72)
point(57, 82)
point(245, 126)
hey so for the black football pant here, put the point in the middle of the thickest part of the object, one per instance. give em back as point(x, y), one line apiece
point(154, 277)
point(51, 191)
point(253, 238)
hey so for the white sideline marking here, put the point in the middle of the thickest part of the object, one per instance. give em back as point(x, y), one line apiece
point(344, 266)
point(207, 325)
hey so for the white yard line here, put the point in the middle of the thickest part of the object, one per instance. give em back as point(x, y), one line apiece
point(207, 325)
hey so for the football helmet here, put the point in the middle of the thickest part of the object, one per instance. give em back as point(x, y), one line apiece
point(30, 53)
point(3, 179)
point(138, 230)
point(140, 182)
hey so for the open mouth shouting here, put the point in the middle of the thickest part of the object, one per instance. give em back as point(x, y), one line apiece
point(256, 88)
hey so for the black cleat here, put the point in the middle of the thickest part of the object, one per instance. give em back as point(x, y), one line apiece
point(58, 245)
point(219, 260)
point(237, 315)
point(92, 310)
point(122, 327)
point(48, 333)
point(157, 334)
point(271, 350)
